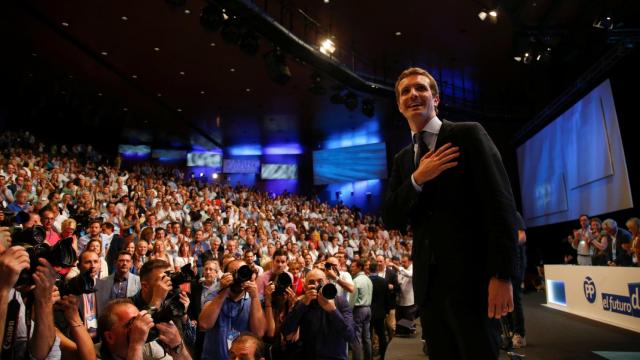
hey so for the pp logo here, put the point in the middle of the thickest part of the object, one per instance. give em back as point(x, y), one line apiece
point(589, 290)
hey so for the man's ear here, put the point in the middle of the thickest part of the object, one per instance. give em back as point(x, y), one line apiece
point(436, 100)
point(109, 337)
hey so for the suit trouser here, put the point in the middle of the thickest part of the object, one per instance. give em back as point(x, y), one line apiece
point(517, 316)
point(378, 326)
point(361, 347)
point(455, 320)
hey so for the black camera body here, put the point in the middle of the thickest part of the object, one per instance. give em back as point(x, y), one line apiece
point(62, 254)
point(242, 274)
point(283, 282)
point(81, 284)
point(171, 307)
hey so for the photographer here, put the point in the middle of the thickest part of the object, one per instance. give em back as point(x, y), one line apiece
point(12, 261)
point(279, 299)
point(234, 309)
point(79, 344)
point(123, 331)
point(341, 279)
point(326, 326)
point(278, 266)
point(155, 285)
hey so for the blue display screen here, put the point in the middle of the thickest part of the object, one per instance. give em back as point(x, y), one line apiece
point(363, 162)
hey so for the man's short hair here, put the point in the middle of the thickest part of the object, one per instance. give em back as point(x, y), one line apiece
point(107, 319)
point(82, 255)
point(123, 252)
point(610, 223)
point(373, 266)
point(597, 220)
point(151, 265)
point(247, 337)
point(108, 225)
point(279, 252)
point(433, 86)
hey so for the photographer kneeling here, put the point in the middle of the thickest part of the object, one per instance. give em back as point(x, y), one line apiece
point(325, 320)
point(124, 332)
point(236, 308)
point(160, 295)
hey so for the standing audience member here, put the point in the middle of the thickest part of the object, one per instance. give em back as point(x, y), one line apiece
point(380, 306)
point(360, 302)
point(121, 284)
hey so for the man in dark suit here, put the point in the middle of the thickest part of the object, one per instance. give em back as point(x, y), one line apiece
point(380, 306)
point(458, 201)
point(619, 245)
point(393, 288)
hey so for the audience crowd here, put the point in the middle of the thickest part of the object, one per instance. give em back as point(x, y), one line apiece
point(173, 267)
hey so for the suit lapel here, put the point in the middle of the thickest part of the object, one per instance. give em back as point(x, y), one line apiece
point(443, 135)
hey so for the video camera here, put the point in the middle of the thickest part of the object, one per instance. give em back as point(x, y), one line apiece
point(171, 307)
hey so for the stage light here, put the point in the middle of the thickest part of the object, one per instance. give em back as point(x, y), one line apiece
point(482, 15)
point(351, 101)
point(327, 47)
point(201, 174)
point(232, 31)
point(316, 87)
point(277, 68)
point(249, 42)
point(493, 13)
point(337, 98)
point(214, 175)
point(368, 108)
point(211, 17)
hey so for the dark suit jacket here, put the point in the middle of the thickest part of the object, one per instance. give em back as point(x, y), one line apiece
point(117, 242)
point(463, 220)
point(622, 256)
point(391, 277)
point(380, 300)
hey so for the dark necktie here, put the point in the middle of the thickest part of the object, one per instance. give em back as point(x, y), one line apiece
point(418, 138)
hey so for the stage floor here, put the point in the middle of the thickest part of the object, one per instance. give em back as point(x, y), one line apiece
point(551, 334)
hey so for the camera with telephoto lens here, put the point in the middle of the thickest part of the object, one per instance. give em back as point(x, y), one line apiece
point(328, 291)
point(171, 307)
point(62, 254)
point(282, 282)
point(240, 276)
point(81, 284)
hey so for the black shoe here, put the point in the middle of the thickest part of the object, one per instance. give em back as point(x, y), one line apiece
point(425, 348)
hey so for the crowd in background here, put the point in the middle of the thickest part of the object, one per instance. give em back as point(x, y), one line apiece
point(164, 255)
point(134, 230)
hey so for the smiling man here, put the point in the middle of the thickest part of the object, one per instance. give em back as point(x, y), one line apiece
point(451, 187)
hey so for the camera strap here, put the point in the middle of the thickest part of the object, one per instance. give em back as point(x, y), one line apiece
point(10, 329)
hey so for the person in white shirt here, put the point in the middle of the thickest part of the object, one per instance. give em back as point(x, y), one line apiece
point(406, 308)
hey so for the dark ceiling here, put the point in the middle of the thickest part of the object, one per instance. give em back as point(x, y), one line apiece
point(148, 72)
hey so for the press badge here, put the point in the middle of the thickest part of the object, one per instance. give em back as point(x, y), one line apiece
point(92, 324)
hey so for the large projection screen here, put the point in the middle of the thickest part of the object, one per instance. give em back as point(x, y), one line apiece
point(348, 164)
point(576, 164)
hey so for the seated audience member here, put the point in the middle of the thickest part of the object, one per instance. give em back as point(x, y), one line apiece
point(247, 347)
point(120, 284)
point(326, 326)
point(183, 257)
point(620, 243)
point(235, 308)
point(155, 285)
point(124, 330)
